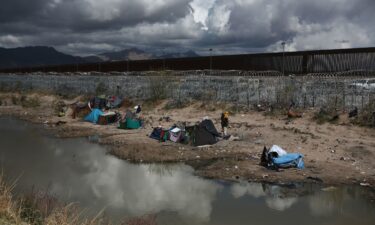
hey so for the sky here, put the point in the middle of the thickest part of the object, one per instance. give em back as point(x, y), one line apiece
point(85, 27)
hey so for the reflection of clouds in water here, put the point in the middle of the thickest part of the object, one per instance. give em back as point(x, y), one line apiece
point(271, 193)
point(280, 204)
point(252, 189)
point(142, 189)
point(325, 203)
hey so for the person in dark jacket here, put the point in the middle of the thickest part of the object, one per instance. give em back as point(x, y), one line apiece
point(137, 109)
point(224, 123)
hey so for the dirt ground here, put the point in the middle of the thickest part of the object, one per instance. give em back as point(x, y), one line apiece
point(338, 153)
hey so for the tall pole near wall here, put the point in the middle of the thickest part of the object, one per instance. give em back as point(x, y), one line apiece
point(163, 52)
point(210, 61)
point(283, 44)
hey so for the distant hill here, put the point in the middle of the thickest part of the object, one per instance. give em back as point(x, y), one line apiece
point(35, 56)
point(45, 56)
point(186, 54)
point(136, 54)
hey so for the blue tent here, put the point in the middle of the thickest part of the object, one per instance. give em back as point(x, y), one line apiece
point(289, 160)
point(94, 116)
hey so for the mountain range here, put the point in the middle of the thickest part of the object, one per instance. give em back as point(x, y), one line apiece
point(44, 56)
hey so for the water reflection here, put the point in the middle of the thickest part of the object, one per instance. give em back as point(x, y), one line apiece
point(79, 171)
point(272, 194)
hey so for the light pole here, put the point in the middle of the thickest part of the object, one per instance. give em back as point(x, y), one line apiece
point(163, 58)
point(210, 60)
point(283, 44)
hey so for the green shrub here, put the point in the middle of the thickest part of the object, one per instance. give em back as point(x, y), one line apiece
point(32, 102)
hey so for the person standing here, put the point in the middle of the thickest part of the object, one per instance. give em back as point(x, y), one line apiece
point(224, 123)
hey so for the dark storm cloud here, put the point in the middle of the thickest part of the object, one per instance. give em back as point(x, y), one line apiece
point(303, 24)
point(91, 26)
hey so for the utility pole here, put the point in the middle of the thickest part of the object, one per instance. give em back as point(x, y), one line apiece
point(210, 61)
point(283, 44)
point(163, 58)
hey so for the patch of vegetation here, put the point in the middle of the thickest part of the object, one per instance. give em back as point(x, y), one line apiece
point(325, 115)
point(285, 97)
point(59, 107)
point(32, 102)
point(24, 101)
point(101, 89)
point(15, 100)
point(366, 116)
point(273, 111)
point(176, 104)
point(4, 87)
point(329, 112)
point(158, 89)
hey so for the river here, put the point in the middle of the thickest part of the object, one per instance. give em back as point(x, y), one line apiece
point(76, 170)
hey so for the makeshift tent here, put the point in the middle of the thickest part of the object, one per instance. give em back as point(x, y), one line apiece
point(131, 122)
point(160, 134)
point(289, 160)
point(203, 134)
point(276, 157)
point(108, 118)
point(156, 133)
point(94, 116)
point(114, 102)
point(98, 102)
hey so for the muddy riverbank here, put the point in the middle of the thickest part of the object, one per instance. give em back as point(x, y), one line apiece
point(337, 153)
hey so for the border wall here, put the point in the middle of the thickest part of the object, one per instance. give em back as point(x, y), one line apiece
point(241, 88)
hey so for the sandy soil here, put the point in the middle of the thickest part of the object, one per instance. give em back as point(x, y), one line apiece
point(338, 153)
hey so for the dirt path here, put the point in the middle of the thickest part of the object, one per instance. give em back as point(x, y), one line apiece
point(334, 153)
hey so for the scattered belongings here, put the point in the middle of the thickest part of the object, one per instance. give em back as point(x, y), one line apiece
point(353, 113)
point(317, 179)
point(99, 102)
point(165, 118)
point(160, 134)
point(363, 184)
point(293, 114)
point(276, 157)
point(175, 135)
point(114, 102)
point(109, 118)
point(80, 109)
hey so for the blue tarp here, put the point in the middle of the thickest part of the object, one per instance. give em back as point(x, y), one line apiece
point(94, 116)
point(289, 160)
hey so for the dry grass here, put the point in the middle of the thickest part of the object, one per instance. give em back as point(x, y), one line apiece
point(366, 116)
point(9, 211)
point(41, 208)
